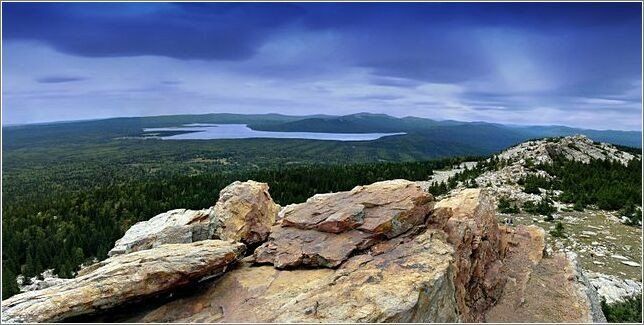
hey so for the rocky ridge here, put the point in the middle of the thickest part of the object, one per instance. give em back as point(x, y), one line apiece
point(576, 147)
point(594, 242)
point(385, 252)
point(521, 158)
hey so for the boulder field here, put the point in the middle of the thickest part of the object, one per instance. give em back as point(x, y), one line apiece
point(384, 252)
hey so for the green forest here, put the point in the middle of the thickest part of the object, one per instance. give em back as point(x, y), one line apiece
point(608, 185)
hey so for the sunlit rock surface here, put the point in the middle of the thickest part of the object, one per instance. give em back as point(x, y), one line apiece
point(122, 279)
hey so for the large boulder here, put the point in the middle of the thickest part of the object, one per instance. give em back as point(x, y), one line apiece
point(123, 279)
point(408, 281)
point(246, 212)
point(328, 228)
point(172, 227)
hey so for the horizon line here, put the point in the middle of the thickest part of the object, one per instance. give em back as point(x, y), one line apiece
point(3, 124)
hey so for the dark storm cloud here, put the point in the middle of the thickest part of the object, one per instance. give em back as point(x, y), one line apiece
point(183, 31)
point(507, 60)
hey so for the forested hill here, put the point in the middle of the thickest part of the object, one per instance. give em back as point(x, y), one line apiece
point(367, 123)
point(439, 131)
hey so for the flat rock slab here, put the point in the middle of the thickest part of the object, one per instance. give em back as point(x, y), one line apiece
point(631, 263)
point(172, 227)
point(291, 247)
point(327, 228)
point(411, 281)
point(389, 208)
point(122, 279)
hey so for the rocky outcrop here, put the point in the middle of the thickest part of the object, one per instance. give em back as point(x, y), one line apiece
point(577, 147)
point(522, 160)
point(328, 228)
point(469, 221)
point(245, 212)
point(533, 276)
point(412, 281)
point(385, 252)
point(172, 227)
point(123, 279)
point(612, 288)
point(444, 268)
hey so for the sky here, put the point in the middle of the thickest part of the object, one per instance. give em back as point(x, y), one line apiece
point(575, 64)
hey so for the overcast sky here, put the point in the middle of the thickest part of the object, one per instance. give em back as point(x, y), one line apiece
point(576, 64)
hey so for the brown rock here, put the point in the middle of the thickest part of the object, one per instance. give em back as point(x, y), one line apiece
point(246, 212)
point(389, 208)
point(468, 218)
point(122, 279)
point(411, 282)
point(327, 228)
point(291, 247)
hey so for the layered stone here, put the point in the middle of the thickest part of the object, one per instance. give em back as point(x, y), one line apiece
point(328, 228)
point(410, 281)
point(124, 279)
point(172, 227)
point(468, 218)
point(244, 212)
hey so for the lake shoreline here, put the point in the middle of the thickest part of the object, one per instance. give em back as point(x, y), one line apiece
point(206, 131)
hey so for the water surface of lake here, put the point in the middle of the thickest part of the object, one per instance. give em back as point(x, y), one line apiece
point(199, 131)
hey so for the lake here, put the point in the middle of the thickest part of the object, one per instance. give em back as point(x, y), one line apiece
point(200, 131)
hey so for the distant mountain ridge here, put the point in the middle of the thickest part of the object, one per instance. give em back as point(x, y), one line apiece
point(372, 123)
point(423, 137)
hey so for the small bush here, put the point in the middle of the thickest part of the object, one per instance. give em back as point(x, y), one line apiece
point(507, 206)
point(629, 311)
point(578, 206)
point(633, 213)
point(558, 231)
point(544, 207)
point(532, 183)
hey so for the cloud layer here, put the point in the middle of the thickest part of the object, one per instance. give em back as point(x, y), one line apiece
point(524, 63)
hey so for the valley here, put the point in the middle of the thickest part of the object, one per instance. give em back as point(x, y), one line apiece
point(108, 175)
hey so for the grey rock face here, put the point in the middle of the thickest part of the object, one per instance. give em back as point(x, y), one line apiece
point(612, 288)
point(172, 227)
